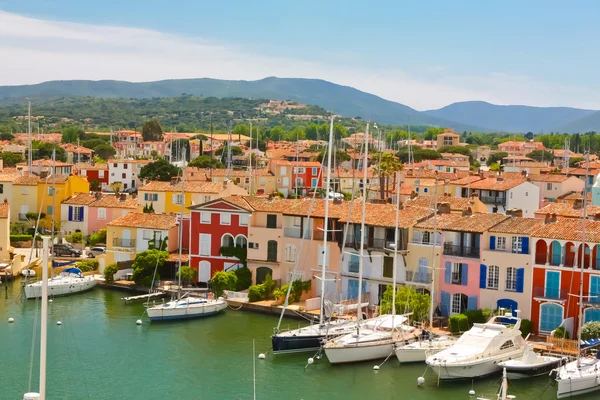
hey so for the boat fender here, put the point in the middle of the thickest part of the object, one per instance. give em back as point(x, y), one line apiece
point(210, 295)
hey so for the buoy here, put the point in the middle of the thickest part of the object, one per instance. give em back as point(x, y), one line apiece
point(49, 300)
point(376, 367)
point(261, 356)
point(11, 320)
point(58, 323)
point(31, 396)
point(138, 322)
point(310, 361)
point(420, 381)
point(471, 392)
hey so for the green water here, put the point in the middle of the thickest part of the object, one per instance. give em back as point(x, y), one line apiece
point(100, 353)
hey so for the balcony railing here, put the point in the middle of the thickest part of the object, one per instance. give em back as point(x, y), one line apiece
point(418, 277)
point(118, 242)
point(541, 292)
point(426, 243)
point(492, 200)
point(370, 243)
point(461, 251)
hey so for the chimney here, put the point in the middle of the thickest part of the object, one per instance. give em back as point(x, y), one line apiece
point(499, 178)
point(174, 180)
point(467, 212)
point(443, 208)
point(481, 175)
point(597, 217)
point(578, 204)
point(550, 218)
point(475, 196)
point(524, 173)
point(122, 196)
point(98, 195)
point(515, 213)
point(413, 194)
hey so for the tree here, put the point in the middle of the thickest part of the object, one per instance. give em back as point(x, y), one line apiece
point(33, 218)
point(6, 136)
point(95, 186)
point(277, 133)
point(418, 154)
point(431, 133)
point(223, 280)
point(541, 155)
point(71, 134)
point(336, 158)
point(574, 161)
point(116, 187)
point(152, 131)
point(11, 159)
point(235, 151)
point(495, 166)
point(339, 131)
point(388, 165)
point(311, 131)
point(496, 157)
point(93, 143)
point(187, 274)
point(205, 162)
point(407, 300)
point(529, 136)
point(145, 265)
point(105, 151)
point(154, 154)
point(110, 271)
point(42, 150)
point(455, 149)
point(241, 129)
point(159, 170)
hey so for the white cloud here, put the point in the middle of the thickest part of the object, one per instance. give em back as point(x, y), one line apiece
point(35, 50)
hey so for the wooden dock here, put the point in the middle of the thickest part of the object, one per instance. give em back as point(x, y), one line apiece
point(146, 296)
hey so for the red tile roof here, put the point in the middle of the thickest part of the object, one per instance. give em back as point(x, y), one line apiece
point(517, 225)
point(190, 187)
point(477, 223)
point(148, 221)
point(82, 199)
point(496, 184)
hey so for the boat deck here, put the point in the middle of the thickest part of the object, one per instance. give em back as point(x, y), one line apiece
point(143, 296)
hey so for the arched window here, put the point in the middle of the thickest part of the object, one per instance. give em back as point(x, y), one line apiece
point(227, 240)
point(241, 241)
point(551, 316)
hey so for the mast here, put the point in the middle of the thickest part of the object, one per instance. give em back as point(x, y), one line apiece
point(180, 226)
point(362, 226)
point(395, 261)
point(326, 222)
point(53, 197)
point(29, 156)
point(250, 163)
point(212, 149)
point(44, 319)
point(432, 291)
point(584, 223)
point(229, 152)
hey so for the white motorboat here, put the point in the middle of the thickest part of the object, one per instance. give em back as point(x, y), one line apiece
point(418, 351)
point(531, 364)
point(69, 281)
point(373, 339)
point(186, 307)
point(479, 350)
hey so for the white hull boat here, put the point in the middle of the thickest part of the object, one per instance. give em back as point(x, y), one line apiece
point(418, 351)
point(185, 308)
point(573, 381)
point(310, 338)
point(70, 281)
point(531, 364)
point(479, 350)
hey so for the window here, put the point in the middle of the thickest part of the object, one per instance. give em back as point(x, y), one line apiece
point(101, 174)
point(456, 273)
point(115, 165)
point(204, 244)
point(101, 213)
point(1, 188)
point(50, 210)
point(501, 243)
point(177, 198)
point(123, 176)
point(299, 170)
point(299, 182)
point(456, 303)
point(77, 214)
point(139, 166)
point(271, 221)
point(517, 244)
point(426, 237)
point(204, 217)
point(244, 219)
point(314, 182)
point(425, 190)
point(551, 316)
point(353, 263)
point(314, 171)
point(388, 267)
point(552, 285)
point(290, 253)
point(25, 190)
point(272, 250)
point(511, 279)
point(507, 345)
point(50, 191)
point(297, 221)
point(548, 186)
point(206, 199)
point(125, 166)
point(493, 277)
point(225, 218)
point(147, 235)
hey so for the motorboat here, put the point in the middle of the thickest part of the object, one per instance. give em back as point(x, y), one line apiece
point(531, 364)
point(579, 377)
point(418, 351)
point(372, 339)
point(186, 307)
point(479, 350)
point(69, 281)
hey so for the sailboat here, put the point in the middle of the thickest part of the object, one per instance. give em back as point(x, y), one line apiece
point(309, 338)
point(375, 338)
point(419, 350)
point(582, 375)
point(185, 307)
point(503, 391)
point(41, 395)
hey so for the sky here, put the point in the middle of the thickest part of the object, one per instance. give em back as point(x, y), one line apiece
point(423, 54)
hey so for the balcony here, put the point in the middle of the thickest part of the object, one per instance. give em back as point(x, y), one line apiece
point(292, 233)
point(591, 298)
point(461, 251)
point(418, 277)
point(542, 293)
point(118, 242)
point(370, 243)
point(426, 243)
point(492, 200)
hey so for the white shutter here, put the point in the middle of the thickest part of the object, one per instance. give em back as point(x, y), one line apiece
point(328, 255)
point(205, 244)
point(244, 219)
point(204, 271)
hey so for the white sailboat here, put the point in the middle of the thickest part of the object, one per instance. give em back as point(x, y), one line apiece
point(419, 350)
point(478, 351)
point(69, 281)
point(309, 338)
point(503, 391)
point(582, 375)
point(376, 337)
point(185, 307)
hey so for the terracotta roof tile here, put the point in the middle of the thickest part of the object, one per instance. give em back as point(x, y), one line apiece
point(575, 195)
point(297, 163)
point(476, 223)
point(569, 229)
point(517, 225)
point(6, 176)
point(385, 215)
point(148, 221)
point(112, 201)
point(96, 166)
point(442, 221)
point(495, 184)
point(456, 203)
point(552, 178)
point(82, 199)
point(30, 180)
point(466, 180)
point(191, 187)
point(567, 210)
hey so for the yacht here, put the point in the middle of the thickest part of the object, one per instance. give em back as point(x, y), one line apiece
point(69, 281)
point(186, 307)
point(310, 338)
point(418, 351)
point(531, 364)
point(479, 350)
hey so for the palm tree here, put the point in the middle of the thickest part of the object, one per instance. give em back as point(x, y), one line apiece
point(388, 165)
point(95, 186)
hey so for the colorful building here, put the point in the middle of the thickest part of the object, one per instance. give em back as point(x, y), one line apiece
point(4, 230)
point(95, 172)
point(57, 188)
point(25, 197)
point(108, 207)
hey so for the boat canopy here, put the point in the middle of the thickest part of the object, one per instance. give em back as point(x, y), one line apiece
point(74, 271)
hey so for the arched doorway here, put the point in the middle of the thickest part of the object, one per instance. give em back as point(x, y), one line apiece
point(509, 305)
point(261, 274)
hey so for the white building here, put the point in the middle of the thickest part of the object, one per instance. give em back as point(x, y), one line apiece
point(501, 194)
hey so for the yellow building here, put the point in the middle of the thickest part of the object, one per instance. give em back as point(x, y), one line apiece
point(263, 181)
point(24, 197)
point(4, 230)
point(166, 197)
point(54, 190)
point(6, 186)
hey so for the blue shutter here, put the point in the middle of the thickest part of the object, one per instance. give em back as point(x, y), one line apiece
point(464, 279)
point(353, 288)
point(520, 279)
point(70, 213)
point(448, 275)
point(80, 213)
point(524, 245)
point(482, 276)
point(472, 303)
point(492, 242)
point(146, 196)
point(445, 304)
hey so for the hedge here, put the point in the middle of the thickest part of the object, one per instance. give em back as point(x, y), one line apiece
point(20, 238)
point(526, 327)
point(458, 323)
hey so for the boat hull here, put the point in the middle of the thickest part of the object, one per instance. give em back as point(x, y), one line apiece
point(295, 344)
point(574, 382)
point(159, 313)
point(528, 371)
point(359, 353)
point(34, 291)
point(420, 351)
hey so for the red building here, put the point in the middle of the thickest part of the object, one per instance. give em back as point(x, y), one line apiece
point(94, 172)
point(306, 175)
point(218, 223)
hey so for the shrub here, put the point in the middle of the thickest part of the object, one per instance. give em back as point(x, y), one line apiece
point(298, 287)
point(88, 265)
point(76, 237)
point(487, 313)
point(20, 238)
point(98, 237)
point(244, 278)
point(560, 333)
point(526, 327)
point(256, 293)
point(475, 317)
point(591, 330)
point(222, 281)
point(110, 271)
point(347, 196)
point(458, 323)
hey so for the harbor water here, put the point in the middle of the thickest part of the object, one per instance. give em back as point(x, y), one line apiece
point(100, 353)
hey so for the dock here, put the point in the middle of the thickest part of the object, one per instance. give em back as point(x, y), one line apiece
point(143, 296)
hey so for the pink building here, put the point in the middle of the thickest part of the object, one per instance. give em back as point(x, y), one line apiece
point(108, 207)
